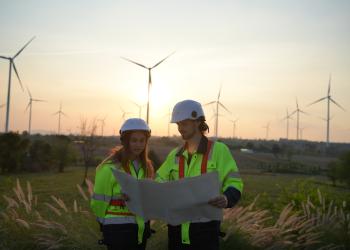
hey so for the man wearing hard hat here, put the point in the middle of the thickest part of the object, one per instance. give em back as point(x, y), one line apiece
point(198, 156)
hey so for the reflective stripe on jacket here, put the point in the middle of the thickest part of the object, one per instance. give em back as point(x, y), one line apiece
point(106, 202)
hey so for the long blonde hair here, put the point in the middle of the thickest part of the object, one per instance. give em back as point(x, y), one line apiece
point(121, 155)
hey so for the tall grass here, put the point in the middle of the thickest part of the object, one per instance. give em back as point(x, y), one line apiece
point(28, 223)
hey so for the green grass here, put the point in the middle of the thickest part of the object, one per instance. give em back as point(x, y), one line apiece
point(63, 185)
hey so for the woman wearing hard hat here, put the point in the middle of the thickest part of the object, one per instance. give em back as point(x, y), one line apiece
point(122, 229)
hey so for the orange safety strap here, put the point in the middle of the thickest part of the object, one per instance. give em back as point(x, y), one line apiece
point(120, 203)
point(203, 165)
point(120, 213)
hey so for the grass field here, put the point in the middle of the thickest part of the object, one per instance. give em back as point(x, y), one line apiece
point(272, 189)
point(64, 184)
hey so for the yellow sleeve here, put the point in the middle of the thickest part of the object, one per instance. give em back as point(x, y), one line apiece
point(163, 173)
point(102, 190)
point(227, 167)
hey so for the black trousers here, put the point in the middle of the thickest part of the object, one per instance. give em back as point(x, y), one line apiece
point(124, 236)
point(203, 236)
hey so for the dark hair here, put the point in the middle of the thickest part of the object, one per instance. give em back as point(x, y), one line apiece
point(203, 126)
point(122, 154)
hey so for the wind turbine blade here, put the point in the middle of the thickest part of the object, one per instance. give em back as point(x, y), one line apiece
point(23, 47)
point(293, 113)
point(38, 100)
point(27, 107)
point(209, 103)
point(135, 103)
point(296, 101)
point(321, 99)
point(222, 105)
point(143, 66)
point(121, 109)
point(304, 112)
point(337, 104)
point(162, 60)
point(19, 79)
point(64, 114)
point(4, 57)
point(329, 84)
point(219, 92)
point(30, 94)
point(56, 113)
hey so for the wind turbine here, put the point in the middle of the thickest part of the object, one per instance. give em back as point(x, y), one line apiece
point(234, 127)
point(329, 100)
point(301, 132)
point(102, 124)
point(30, 104)
point(267, 127)
point(298, 111)
point(124, 113)
point(288, 117)
point(59, 113)
point(218, 103)
point(139, 107)
point(12, 66)
point(149, 78)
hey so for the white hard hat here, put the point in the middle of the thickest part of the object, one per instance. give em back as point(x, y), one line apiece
point(134, 124)
point(187, 109)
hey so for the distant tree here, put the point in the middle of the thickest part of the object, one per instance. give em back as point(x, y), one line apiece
point(344, 172)
point(13, 149)
point(250, 145)
point(88, 142)
point(63, 153)
point(333, 172)
point(276, 150)
point(40, 156)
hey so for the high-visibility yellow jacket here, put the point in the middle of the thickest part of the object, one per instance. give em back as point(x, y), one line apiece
point(219, 158)
point(106, 202)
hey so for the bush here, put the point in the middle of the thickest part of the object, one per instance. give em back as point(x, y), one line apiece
point(13, 150)
point(63, 153)
point(40, 153)
point(344, 168)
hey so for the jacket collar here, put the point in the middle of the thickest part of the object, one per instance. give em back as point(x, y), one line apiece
point(202, 147)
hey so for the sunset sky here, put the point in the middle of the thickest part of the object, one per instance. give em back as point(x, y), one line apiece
point(264, 53)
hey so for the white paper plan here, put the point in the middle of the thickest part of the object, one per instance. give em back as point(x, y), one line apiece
point(174, 202)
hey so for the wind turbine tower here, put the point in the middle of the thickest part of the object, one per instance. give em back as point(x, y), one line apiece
point(12, 66)
point(102, 121)
point(59, 113)
point(234, 127)
point(329, 100)
point(217, 104)
point(287, 118)
point(30, 105)
point(267, 127)
point(298, 111)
